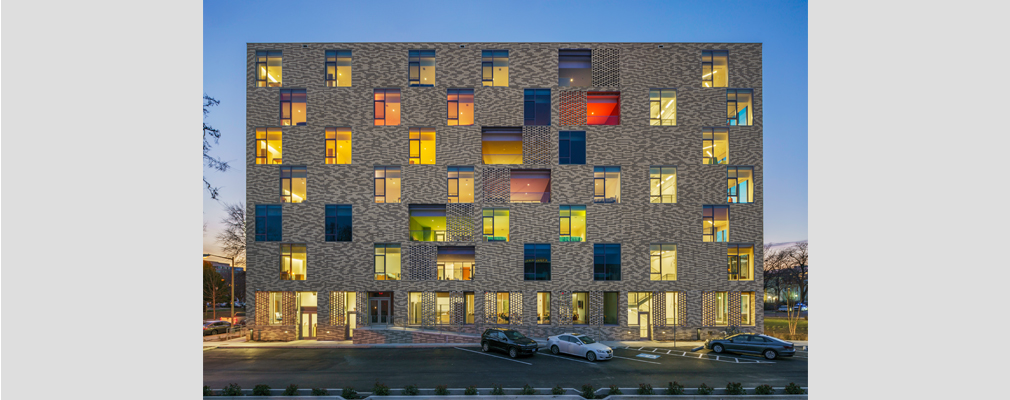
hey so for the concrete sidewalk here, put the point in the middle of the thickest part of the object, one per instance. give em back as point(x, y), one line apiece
point(242, 343)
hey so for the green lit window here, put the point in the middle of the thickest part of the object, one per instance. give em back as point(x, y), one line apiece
point(496, 224)
point(427, 222)
point(573, 223)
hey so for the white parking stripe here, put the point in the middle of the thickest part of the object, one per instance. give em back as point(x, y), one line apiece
point(489, 355)
point(569, 359)
point(632, 359)
point(668, 352)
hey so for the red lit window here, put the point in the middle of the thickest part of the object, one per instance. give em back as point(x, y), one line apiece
point(603, 108)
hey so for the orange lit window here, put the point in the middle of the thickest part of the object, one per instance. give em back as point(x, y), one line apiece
point(422, 145)
point(603, 108)
point(502, 145)
point(268, 145)
point(293, 107)
point(387, 107)
point(338, 68)
point(338, 145)
point(268, 69)
point(460, 107)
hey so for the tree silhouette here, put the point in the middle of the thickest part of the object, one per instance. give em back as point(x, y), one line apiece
point(209, 133)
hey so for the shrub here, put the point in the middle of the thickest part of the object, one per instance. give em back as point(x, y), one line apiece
point(674, 388)
point(442, 390)
point(558, 390)
point(207, 391)
point(410, 390)
point(320, 392)
point(588, 391)
point(645, 389)
point(527, 390)
point(764, 389)
point(496, 390)
point(794, 389)
point(232, 390)
point(470, 390)
point(705, 390)
point(735, 388)
point(291, 390)
point(380, 389)
point(261, 390)
point(614, 390)
point(349, 393)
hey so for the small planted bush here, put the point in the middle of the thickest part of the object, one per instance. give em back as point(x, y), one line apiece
point(232, 390)
point(291, 390)
point(674, 388)
point(588, 391)
point(645, 389)
point(764, 389)
point(207, 391)
point(496, 390)
point(470, 390)
point(527, 390)
point(320, 392)
point(705, 390)
point(261, 390)
point(558, 390)
point(735, 388)
point(614, 390)
point(793, 388)
point(349, 393)
point(410, 390)
point(442, 390)
point(380, 389)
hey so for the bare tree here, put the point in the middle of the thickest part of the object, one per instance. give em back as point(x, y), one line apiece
point(785, 273)
point(214, 287)
point(232, 236)
point(210, 133)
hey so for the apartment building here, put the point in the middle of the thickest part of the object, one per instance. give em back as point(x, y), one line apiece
point(613, 189)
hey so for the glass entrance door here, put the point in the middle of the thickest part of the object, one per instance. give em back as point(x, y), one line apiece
point(379, 311)
point(643, 325)
point(308, 330)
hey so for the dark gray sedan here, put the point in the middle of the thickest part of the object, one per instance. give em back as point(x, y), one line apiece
point(748, 343)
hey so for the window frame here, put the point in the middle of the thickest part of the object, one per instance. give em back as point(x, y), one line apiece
point(662, 248)
point(532, 101)
point(589, 116)
point(537, 265)
point(290, 257)
point(736, 106)
point(733, 253)
point(751, 315)
point(411, 63)
point(616, 298)
point(385, 261)
point(714, 235)
point(336, 141)
point(266, 67)
point(267, 225)
point(375, 183)
point(602, 199)
point(574, 298)
point(385, 103)
point(336, 60)
point(291, 169)
point(568, 220)
point(454, 181)
point(417, 159)
point(711, 65)
point(608, 270)
point(712, 131)
point(721, 307)
point(660, 105)
point(542, 320)
point(565, 143)
point(484, 219)
point(485, 81)
point(290, 92)
point(266, 143)
point(662, 184)
point(454, 116)
point(735, 198)
point(569, 83)
point(335, 220)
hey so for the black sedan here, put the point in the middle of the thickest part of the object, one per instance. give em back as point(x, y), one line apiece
point(507, 340)
point(748, 343)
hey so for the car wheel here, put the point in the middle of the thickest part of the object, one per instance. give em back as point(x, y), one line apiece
point(484, 347)
point(591, 356)
point(717, 348)
point(770, 354)
point(513, 352)
point(554, 350)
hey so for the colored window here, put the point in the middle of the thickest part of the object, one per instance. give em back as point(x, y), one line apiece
point(338, 68)
point(536, 107)
point(530, 186)
point(338, 145)
point(293, 262)
point(293, 183)
point(387, 106)
point(427, 222)
point(274, 310)
point(502, 145)
point(739, 107)
point(387, 261)
point(387, 184)
point(580, 308)
point(422, 67)
point(573, 224)
point(572, 147)
point(741, 262)
point(496, 224)
point(715, 68)
point(268, 145)
point(715, 145)
point(662, 106)
point(293, 107)
point(537, 262)
point(460, 107)
point(663, 184)
point(607, 184)
point(494, 65)
point(603, 108)
point(268, 69)
point(455, 263)
point(502, 305)
point(663, 260)
point(639, 302)
point(606, 262)
point(575, 67)
point(610, 300)
point(740, 181)
point(715, 221)
point(414, 308)
point(422, 145)
point(460, 184)
point(543, 308)
point(338, 222)
point(721, 308)
point(268, 223)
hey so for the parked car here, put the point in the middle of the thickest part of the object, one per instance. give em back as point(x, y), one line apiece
point(579, 345)
point(215, 327)
point(510, 341)
point(800, 306)
point(771, 348)
point(783, 308)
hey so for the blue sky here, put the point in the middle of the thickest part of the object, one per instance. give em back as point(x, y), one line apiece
point(780, 25)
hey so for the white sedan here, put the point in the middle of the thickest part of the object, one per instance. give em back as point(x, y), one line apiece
point(579, 345)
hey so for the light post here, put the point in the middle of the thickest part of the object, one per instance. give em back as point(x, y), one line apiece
point(232, 265)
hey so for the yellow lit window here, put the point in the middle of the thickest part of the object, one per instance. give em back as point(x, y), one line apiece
point(387, 184)
point(421, 67)
point(427, 222)
point(664, 262)
point(739, 107)
point(721, 308)
point(502, 145)
point(293, 107)
point(607, 184)
point(268, 145)
point(663, 186)
point(580, 308)
point(338, 68)
point(422, 145)
point(639, 310)
point(672, 308)
point(414, 308)
point(715, 221)
point(293, 180)
point(268, 69)
point(495, 67)
point(496, 224)
point(387, 261)
point(455, 263)
point(714, 68)
point(338, 145)
point(275, 313)
point(573, 223)
point(715, 146)
point(663, 107)
point(387, 106)
point(543, 308)
point(460, 106)
point(293, 262)
point(747, 308)
point(741, 262)
point(741, 184)
point(460, 184)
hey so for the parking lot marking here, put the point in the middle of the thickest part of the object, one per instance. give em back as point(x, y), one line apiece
point(489, 355)
point(654, 350)
point(668, 352)
point(569, 359)
point(719, 358)
point(632, 359)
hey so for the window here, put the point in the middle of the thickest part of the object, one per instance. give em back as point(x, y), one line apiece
point(293, 181)
point(580, 308)
point(721, 308)
point(274, 309)
point(639, 302)
point(494, 65)
point(496, 224)
point(662, 106)
point(672, 308)
point(455, 263)
point(739, 106)
point(414, 308)
point(663, 187)
point(387, 184)
point(573, 223)
point(715, 145)
point(387, 261)
point(268, 69)
point(715, 220)
point(387, 106)
point(714, 68)
point(747, 308)
point(468, 303)
point(502, 145)
point(572, 147)
point(610, 300)
point(338, 68)
point(293, 107)
point(543, 308)
point(530, 186)
point(536, 107)
point(741, 184)
point(606, 262)
point(607, 184)
point(427, 222)
point(537, 262)
point(422, 145)
point(603, 108)
point(293, 262)
point(268, 223)
point(663, 257)
point(575, 67)
point(502, 303)
point(460, 107)
point(268, 145)
point(741, 262)
point(338, 145)
point(460, 184)
point(422, 67)
point(338, 222)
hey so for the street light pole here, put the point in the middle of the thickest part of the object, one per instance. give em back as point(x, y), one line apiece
point(232, 265)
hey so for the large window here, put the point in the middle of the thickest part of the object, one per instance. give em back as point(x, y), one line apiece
point(663, 186)
point(468, 303)
point(421, 67)
point(387, 184)
point(502, 145)
point(603, 108)
point(715, 68)
point(293, 262)
point(607, 184)
point(739, 107)
point(460, 184)
point(741, 184)
point(268, 69)
point(575, 67)
point(275, 312)
point(639, 302)
point(572, 147)
point(543, 308)
point(747, 305)
point(268, 145)
point(413, 308)
point(387, 106)
point(387, 261)
point(530, 186)
point(536, 107)
point(721, 308)
point(338, 222)
point(663, 261)
point(537, 262)
point(293, 107)
point(502, 305)
point(496, 224)
point(268, 223)
point(338, 68)
point(606, 262)
point(741, 262)
point(610, 301)
point(494, 65)
point(338, 145)
point(293, 182)
point(672, 308)
point(460, 107)
point(427, 222)
point(662, 106)
point(715, 221)
point(580, 308)
point(715, 145)
point(455, 263)
point(573, 224)
point(422, 145)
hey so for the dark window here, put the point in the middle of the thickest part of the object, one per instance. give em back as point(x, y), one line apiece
point(610, 300)
point(572, 147)
point(536, 107)
point(293, 107)
point(494, 67)
point(268, 223)
point(606, 262)
point(268, 69)
point(338, 68)
point(575, 67)
point(422, 67)
point(338, 222)
point(537, 262)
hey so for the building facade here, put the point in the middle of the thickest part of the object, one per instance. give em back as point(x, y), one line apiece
point(613, 189)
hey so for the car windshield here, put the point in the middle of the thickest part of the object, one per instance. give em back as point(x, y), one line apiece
point(586, 339)
point(514, 335)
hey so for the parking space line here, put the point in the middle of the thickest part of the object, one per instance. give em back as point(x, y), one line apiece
point(632, 359)
point(668, 352)
point(715, 357)
point(489, 355)
point(569, 359)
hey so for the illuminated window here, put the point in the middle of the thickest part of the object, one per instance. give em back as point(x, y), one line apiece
point(496, 224)
point(338, 68)
point(502, 145)
point(747, 308)
point(275, 312)
point(715, 145)
point(741, 262)
point(663, 184)
point(572, 147)
point(422, 145)
point(455, 263)
point(580, 308)
point(543, 308)
point(387, 106)
point(268, 223)
point(721, 308)
point(603, 108)
point(672, 308)
point(575, 67)
point(460, 184)
point(607, 184)
point(387, 184)
point(639, 303)
point(739, 107)
point(740, 181)
point(536, 107)
point(268, 145)
point(715, 68)
point(468, 304)
point(530, 186)
point(662, 106)
point(715, 222)
point(663, 257)
point(427, 222)
point(338, 145)
point(422, 67)
point(460, 110)
point(537, 262)
point(414, 308)
point(387, 261)
point(610, 300)
point(293, 107)
point(293, 262)
point(494, 65)
point(293, 181)
point(606, 262)
point(338, 223)
point(502, 305)
point(573, 223)
point(268, 69)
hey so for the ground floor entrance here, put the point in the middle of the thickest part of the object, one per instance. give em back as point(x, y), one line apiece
point(306, 303)
point(380, 308)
